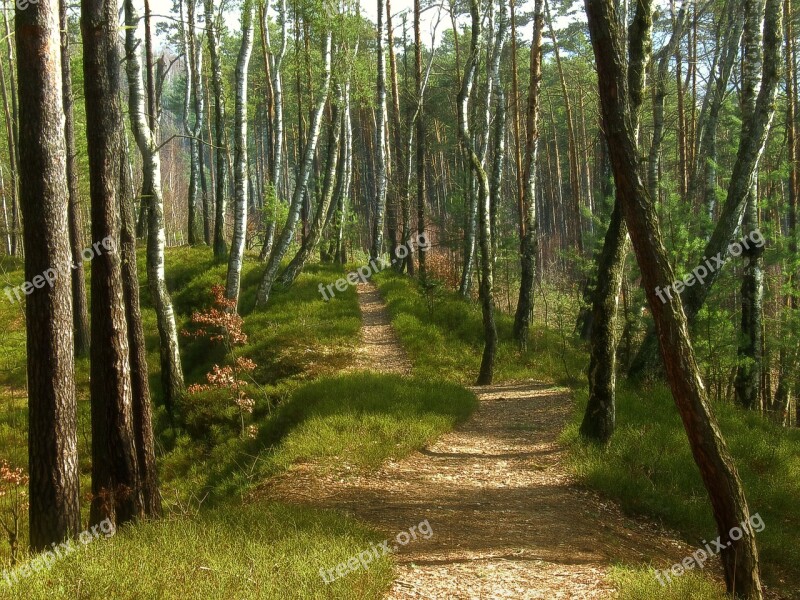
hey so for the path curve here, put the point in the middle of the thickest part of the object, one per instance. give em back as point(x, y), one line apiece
point(508, 520)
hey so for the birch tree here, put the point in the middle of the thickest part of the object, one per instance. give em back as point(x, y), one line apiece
point(487, 292)
point(145, 132)
point(236, 257)
point(380, 140)
point(304, 170)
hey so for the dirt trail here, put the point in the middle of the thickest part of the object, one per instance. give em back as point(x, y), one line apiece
point(507, 519)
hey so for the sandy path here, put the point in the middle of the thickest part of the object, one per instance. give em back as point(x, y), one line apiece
point(507, 519)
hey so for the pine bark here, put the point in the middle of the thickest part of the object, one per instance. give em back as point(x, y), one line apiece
point(116, 489)
point(740, 558)
point(80, 306)
point(54, 486)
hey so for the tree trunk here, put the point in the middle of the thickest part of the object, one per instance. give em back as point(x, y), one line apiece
point(574, 176)
point(740, 558)
point(144, 128)
point(487, 293)
point(320, 218)
point(749, 353)
point(54, 485)
point(221, 178)
point(236, 257)
point(380, 142)
point(421, 146)
point(187, 34)
point(116, 489)
point(80, 307)
point(282, 246)
point(140, 379)
point(529, 228)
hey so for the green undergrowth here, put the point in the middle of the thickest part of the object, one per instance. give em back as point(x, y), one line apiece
point(648, 468)
point(443, 335)
point(219, 539)
point(258, 551)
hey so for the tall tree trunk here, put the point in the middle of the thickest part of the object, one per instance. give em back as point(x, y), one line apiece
point(788, 353)
point(54, 485)
point(282, 246)
point(236, 257)
point(380, 141)
point(740, 558)
point(749, 353)
point(116, 488)
point(421, 145)
point(80, 307)
point(487, 292)
point(187, 33)
point(220, 139)
point(140, 379)
point(529, 228)
point(328, 187)
point(145, 130)
point(399, 175)
point(574, 174)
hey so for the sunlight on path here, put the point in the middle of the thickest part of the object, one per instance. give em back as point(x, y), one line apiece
point(380, 350)
point(507, 519)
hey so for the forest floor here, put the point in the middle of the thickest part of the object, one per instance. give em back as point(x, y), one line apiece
point(508, 520)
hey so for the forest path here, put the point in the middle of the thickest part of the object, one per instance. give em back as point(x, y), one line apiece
point(507, 519)
point(380, 349)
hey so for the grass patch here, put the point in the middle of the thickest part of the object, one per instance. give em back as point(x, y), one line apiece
point(256, 551)
point(443, 335)
point(648, 468)
point(213, 545)
point(639, 583)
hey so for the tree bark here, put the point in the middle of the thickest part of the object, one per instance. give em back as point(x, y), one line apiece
point(529, 228)
point(54, 485)
point(145, 130)
point(487, 292)
point(80, 306)
point(140, 377)
point(740, 558)
point(282, 245)
point(749, 353)
point(236, 257)
point(116, 489)
point(380, 141)
point(220, 139)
